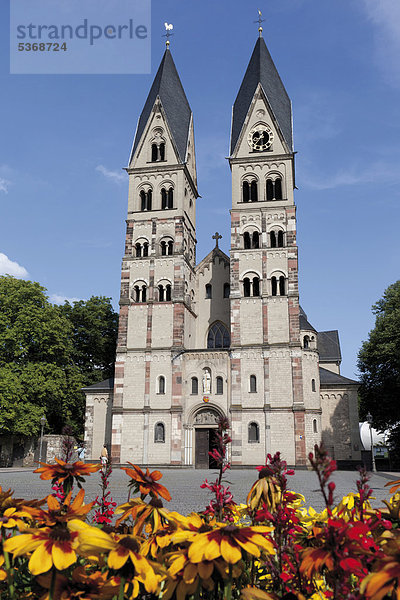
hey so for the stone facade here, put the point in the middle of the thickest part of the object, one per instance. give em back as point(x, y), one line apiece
point(226, 336)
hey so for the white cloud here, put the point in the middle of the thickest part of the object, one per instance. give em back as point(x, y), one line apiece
point(385, 15)
point(377, 172)
point(114, 176)
point(4, 185)
point(10, 267)
point(60, 299)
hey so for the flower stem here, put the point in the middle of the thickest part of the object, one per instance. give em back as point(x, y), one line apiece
point(52, 584)
point(10, 578)
point(228, 586)
point(121, 589)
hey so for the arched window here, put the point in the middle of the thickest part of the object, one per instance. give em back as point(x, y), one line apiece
point(306, 342)
point(161, 384)
point(274, 287)
point(253, 383)
point(220, 385)
point(253, 191)
point(168, 293)
point(162, 151)
point(149, 197)
point(227, 290)
point(256, 240)
point(136, 292)
point(159, 433)
point(246, 191)
point(208, 291)
point(170, 198)
point(144, 293)
point(272, 237)
point(218, 336)
point(163, 246)
point(280, 239)
point(270, 189)
point(246, 240)
point(161, 293)
point(139, 292)
point(163, 198)
point(145, 249)
point(154, 153)
point(282, 291)
point(278, 189)
point(313, 388)
point(254, 433)
point(315, 426)
point(170, 247)
point(142, 200)
point(246, 287)
point(138, 248)
point(195, 386)
point(256, 286)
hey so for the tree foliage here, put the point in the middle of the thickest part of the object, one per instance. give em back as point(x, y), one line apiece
point(47, 354)
point(379, 363)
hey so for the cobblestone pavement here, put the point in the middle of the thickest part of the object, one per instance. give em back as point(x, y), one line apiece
point(184, 486)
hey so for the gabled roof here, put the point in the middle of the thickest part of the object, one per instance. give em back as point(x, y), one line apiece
point(215, 252)
point(261, 69)
point(329, 346)
point(101, 386)
point(168, 87)
point(329, 378)
point(304, 324)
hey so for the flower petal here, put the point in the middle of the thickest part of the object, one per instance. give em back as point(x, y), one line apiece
point(40, 561)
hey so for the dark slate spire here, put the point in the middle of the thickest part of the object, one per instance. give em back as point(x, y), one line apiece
point(168, 87)
point(262, 70)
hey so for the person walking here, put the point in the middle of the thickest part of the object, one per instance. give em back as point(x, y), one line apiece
point(104, 456)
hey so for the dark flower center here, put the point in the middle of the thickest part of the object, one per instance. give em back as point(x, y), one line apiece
point(148, 479)
point(4, 519)
point(229, 529)
point(60, 533)
point(129, 543)
point(204, 528)
point(68, 467)
point(156, 502)
point(264, 473)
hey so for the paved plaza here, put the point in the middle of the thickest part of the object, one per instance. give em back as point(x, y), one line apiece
point(184, 485)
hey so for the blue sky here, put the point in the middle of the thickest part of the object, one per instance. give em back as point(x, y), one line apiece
point(64, 141)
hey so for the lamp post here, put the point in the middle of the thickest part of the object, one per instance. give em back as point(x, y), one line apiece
point(369, 419)
point(42, 423)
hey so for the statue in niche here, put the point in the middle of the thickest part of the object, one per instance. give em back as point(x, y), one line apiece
point(207, 381)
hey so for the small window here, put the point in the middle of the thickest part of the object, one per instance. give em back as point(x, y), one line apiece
point(254, 433)
point(136, 291)
point(170, 198)
point(306, 343)
point(145, 249)
point(168, 293)
point(272, 237)
point(195, 386)
point(282, 291)
point(227, 290)
point(280, 239)
point(246, 240)
point(161, 384)
point(162, 151)
point(144, 293)
point(254, 191)
point(138, 250)
point(274, 287)
point(161, 293)
point(208, 291)
point(313, 388)
point(218, 336)
point(270, 189)
point(253, 383)
point(246, 287)
point(256, 240)
point(220, 385)
point(315, 424)
point(142, 200)
point(154, 153)
point(170, 248)
point(278, 189)
point(246, 191)
point(163, 198)
point(159, 433)
point(256, 286)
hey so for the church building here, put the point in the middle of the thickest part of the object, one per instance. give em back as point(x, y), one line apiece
point(226, 335)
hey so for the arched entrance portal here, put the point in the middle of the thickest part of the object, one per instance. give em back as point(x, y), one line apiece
point(205, 426)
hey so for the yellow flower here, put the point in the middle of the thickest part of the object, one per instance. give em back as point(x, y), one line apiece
point(141, 512)
point(120, 549)
point(184, 575)
point(13, 518)
point(81, 585)
point(49, 546)
point(229, 541)
point(61, 512)
point(264, 491)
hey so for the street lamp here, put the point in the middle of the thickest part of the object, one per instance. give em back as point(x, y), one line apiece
point(369, 419)
point(42, 423)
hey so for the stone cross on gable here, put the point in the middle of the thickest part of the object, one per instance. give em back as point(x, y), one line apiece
point(216, 237)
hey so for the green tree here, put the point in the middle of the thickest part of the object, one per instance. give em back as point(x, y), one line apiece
point(95, 328)
point(379, 364)
point(37, 373)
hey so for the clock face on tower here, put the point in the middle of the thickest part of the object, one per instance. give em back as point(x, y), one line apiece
point(260, 137)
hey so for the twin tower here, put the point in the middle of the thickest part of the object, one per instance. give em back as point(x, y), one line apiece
point(225, 336)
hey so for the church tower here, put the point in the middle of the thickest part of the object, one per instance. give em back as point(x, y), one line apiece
point(266, 366)
point(158, 288)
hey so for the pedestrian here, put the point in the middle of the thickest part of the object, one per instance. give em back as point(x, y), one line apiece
point(104, 456)
point(81, 451)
